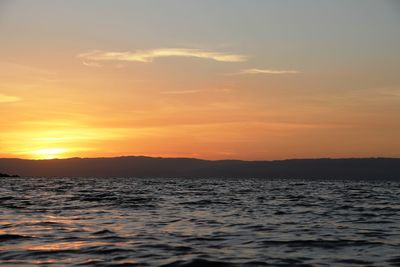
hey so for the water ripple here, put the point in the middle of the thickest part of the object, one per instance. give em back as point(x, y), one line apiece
point(198, 222)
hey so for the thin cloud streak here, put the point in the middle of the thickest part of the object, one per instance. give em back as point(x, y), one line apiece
point(8, 98)
point(147, 56)
point(180, 92)
point(267, 71)
point(92, 64)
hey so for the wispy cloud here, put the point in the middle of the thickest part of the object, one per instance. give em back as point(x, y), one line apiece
point(92, 64)
point(267, 71)
point(180, 92)
point(147, 56)
point(8, 98)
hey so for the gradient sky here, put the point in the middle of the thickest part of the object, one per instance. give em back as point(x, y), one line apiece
point(249, 79)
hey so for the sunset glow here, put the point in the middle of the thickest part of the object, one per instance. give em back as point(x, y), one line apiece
point(49, 153)
point(305, 87)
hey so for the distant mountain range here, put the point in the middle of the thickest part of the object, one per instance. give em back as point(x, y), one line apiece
point(363, 168)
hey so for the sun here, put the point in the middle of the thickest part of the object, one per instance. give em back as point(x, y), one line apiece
point(48, 153)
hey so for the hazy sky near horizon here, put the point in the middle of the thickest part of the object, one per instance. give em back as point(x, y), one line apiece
point(254, 79)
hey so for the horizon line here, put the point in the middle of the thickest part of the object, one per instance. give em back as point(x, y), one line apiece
point(201, 159)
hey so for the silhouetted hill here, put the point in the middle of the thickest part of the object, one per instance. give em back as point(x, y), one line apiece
point(368, 168)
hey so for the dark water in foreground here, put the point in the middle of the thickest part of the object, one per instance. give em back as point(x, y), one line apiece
point(205, 222)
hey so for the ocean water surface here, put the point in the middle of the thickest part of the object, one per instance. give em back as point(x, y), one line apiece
point(198, 222)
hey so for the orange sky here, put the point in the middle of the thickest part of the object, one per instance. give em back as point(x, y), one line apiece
point(104, 89)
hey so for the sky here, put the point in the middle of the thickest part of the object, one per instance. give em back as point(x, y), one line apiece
point(228, 79)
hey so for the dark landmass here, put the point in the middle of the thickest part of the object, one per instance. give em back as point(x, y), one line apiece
point(7, 175)
point(363, 168)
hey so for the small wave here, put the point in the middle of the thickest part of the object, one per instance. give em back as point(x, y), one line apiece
point(204, 239)
point(169, 247)
point(6, 198)
point(104, 232)
point(52, 252)
point(203, 202)
point(365, 221)
point(354, 262)
point(395, 261)
point(105, 250)
point(328, 244)
point(8, 237)
point(198, 263)
point(108, 264)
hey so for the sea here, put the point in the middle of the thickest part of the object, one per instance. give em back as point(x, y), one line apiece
point(76, 221)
